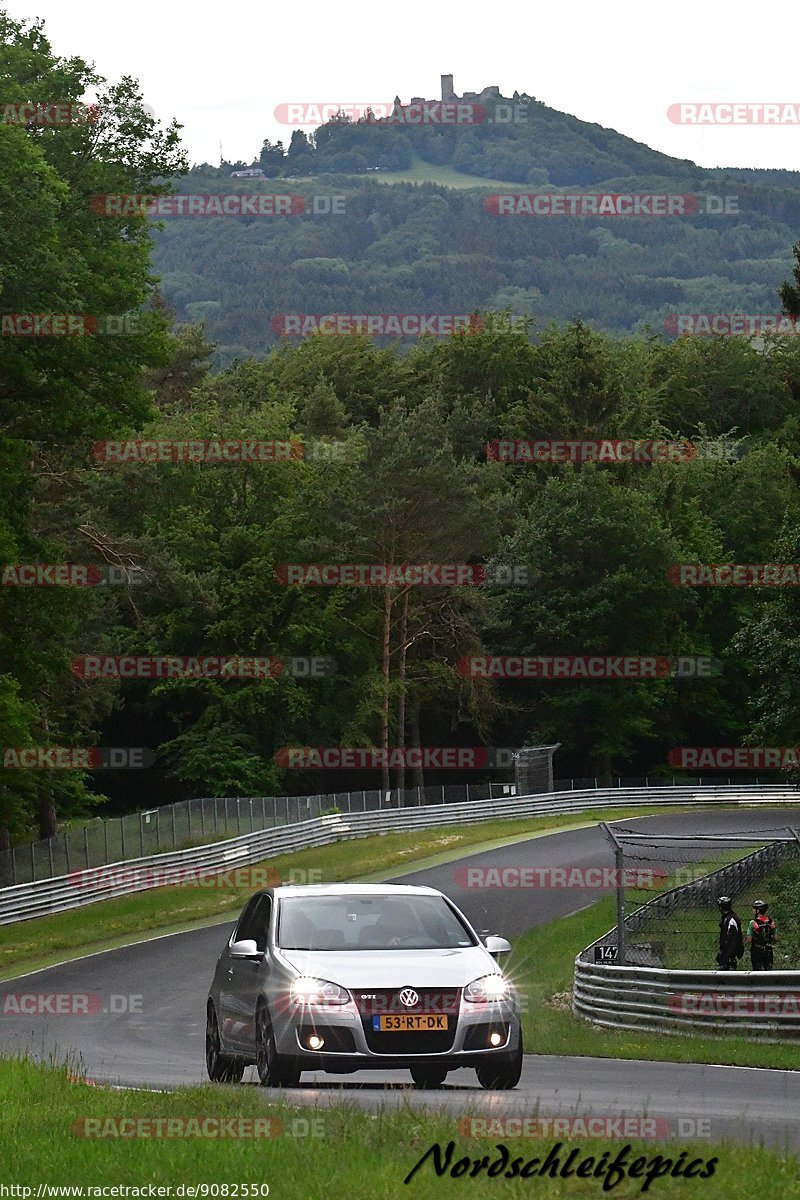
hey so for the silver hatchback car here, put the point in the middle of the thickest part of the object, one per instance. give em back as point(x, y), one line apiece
point(348, 977)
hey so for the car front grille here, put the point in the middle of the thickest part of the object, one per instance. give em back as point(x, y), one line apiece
point(388, 1002)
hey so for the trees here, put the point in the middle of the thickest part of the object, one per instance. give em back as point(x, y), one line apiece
point(70, 259)
point(790, 293)
point(272, 158)
point(415, 501)
point(299, 147)
point(598, 554)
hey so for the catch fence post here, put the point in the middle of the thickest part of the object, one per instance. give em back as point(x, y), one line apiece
point(619, 863)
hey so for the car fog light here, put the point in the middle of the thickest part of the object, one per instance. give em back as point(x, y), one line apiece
point(495, 1038)
point(315, 1042)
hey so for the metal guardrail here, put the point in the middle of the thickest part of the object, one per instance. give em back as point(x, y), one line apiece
point(79, 888)
point(199, 821)
point(763, 1004)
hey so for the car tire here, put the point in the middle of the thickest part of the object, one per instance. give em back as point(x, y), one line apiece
point(428, 1077)
point(503, 1072)
point(274, 1070)
point(222, 1068)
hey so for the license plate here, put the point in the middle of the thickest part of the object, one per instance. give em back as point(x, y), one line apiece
point(416, 1022)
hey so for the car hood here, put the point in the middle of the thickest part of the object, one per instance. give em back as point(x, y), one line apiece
point(394, 968)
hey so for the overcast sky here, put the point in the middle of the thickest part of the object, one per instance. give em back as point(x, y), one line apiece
point(221, 69)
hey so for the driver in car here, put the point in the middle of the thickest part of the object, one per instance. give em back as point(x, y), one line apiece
point(393, 927)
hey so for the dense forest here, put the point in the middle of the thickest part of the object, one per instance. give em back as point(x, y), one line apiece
point(392, 468)
point(404, 222)
point(430, 248)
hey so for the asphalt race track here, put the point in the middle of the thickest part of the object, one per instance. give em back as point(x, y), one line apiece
point(161, 1043)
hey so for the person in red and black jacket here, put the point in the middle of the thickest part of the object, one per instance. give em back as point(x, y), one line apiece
point(761, 936)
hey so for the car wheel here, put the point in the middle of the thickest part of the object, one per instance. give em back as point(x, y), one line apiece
point(221, 1067)
point(428, 1077)
point(503, 1071)
point(274, 1070)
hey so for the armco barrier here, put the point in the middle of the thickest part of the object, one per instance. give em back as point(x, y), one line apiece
point(28, 900)
point(171, 827)
point(763, 1004)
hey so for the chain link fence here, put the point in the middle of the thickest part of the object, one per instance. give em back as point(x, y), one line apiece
point(198, 822)
point(678, 929)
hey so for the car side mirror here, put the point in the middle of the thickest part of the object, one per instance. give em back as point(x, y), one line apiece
point(245, 949)
point(497, 945)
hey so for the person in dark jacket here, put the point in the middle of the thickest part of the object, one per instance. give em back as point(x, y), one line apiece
point(731, 941)
point(761, 936)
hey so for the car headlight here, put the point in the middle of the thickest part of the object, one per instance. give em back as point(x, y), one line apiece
point(306, 990)
point(487, 989)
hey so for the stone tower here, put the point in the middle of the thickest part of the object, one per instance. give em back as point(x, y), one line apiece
point(447, 87)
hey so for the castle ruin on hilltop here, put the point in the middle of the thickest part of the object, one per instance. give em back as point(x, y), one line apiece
point(490, 93)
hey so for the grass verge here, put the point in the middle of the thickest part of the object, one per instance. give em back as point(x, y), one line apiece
point(542, 967)
point(367, 1156)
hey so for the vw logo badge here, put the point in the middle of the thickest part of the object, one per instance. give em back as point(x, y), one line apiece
point(409, 997)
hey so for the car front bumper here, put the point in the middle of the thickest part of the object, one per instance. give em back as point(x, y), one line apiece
point(475, 1033)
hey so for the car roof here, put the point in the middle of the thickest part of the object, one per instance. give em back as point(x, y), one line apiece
point(352, 889)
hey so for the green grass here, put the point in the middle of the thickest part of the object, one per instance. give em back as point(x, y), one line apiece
point(445, 175)
point(29, 945)
point(542, 967)
point(352, 1153)
point(419, 172)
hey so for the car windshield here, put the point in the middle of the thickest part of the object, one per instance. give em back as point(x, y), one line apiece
point(370, 923)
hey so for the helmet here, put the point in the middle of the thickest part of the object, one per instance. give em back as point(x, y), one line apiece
point(760, 905)
point(724, 902)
